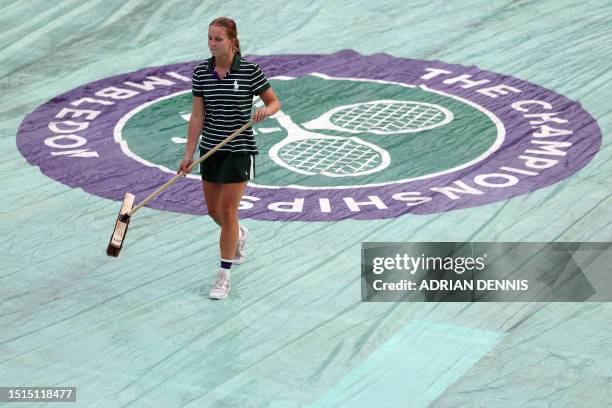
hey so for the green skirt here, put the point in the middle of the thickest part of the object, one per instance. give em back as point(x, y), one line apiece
point(222, 167)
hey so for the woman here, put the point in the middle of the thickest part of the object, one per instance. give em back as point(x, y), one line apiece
point(223, 90)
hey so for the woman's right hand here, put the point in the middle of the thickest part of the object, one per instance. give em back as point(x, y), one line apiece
point(184, 165)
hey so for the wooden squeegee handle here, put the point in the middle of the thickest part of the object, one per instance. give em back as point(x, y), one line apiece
point(181, 174)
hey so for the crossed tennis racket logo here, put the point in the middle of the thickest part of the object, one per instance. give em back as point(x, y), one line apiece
point(308, 152)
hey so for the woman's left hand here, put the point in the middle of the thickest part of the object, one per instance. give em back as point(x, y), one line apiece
point(260, 114)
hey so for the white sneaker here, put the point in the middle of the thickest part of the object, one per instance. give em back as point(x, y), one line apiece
point(241, 247)
point(221, 288)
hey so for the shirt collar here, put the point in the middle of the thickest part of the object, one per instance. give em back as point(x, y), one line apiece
point(234, 67)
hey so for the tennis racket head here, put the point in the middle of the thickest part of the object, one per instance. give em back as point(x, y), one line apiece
point(330, 156)
point(383, 117)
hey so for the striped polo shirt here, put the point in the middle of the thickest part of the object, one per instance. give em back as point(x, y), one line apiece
point(228, 103)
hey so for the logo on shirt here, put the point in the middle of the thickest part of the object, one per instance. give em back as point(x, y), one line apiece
point(411, 137)
point(235, 85)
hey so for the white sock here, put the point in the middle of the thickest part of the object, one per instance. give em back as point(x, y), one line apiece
point(239, 232)
point(224, 270)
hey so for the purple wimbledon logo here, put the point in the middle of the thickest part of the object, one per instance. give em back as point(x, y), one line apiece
point(361, 137)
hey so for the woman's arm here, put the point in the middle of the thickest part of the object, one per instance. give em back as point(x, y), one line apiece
point(272, 103)
point(196, 122)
